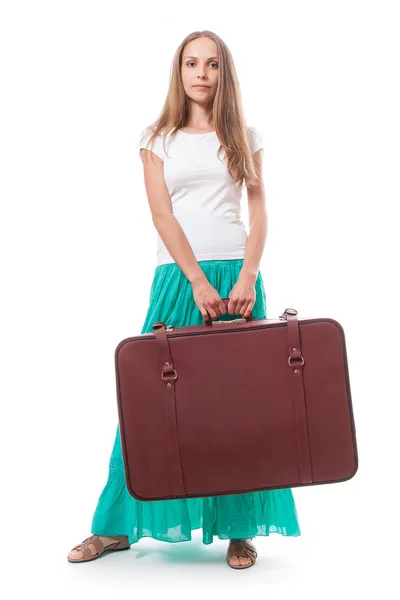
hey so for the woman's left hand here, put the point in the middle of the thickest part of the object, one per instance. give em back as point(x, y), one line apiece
point(242, 297)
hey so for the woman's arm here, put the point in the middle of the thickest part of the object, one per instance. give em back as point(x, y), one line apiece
point(206, 297)
point(165, 221)
point(258, 225)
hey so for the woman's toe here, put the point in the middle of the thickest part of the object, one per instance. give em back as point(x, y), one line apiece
point(75, 554)
point(78, 554)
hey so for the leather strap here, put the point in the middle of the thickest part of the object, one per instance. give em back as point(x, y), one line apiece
point(169, 375)
point(84, 546)
point(296, 362)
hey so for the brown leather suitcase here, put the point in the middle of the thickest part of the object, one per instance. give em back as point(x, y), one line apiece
point(235, 406)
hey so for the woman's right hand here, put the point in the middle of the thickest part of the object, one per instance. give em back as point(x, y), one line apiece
point(208, 300)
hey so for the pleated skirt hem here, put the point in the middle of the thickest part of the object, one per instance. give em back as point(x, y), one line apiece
point(133, 539)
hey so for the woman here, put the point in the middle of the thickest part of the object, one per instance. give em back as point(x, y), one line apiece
point(201, 155)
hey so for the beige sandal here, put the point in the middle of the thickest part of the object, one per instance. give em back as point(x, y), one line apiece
point(241, 548)
point(121, 543)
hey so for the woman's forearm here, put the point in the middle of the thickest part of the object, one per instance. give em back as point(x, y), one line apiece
point(178, 246)
point(254, 248)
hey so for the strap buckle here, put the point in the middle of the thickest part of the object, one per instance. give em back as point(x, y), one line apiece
point(296, 358)
point(166, 371)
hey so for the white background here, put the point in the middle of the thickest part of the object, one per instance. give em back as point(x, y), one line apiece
point(79, 82)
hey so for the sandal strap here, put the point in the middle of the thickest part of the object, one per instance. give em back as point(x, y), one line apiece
point(84, 546)
point(241, 548)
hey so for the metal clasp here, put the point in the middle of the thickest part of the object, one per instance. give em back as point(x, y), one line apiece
point(289, 311)
point(169, 371)
point(302, 360)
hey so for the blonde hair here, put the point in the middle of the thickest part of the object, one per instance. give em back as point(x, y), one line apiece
point(227, 114)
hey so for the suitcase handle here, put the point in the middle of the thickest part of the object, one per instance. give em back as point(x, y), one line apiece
point(209, 321)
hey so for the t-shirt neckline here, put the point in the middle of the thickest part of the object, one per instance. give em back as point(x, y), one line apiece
point(205, 133)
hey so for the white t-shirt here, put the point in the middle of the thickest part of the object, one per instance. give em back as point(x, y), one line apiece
point(204, 198)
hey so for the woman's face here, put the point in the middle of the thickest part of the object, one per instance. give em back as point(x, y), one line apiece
point(200, 64)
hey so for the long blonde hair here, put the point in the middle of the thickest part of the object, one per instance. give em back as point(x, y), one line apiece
point(227, 114)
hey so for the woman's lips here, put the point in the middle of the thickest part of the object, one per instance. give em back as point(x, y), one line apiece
point(201, 87)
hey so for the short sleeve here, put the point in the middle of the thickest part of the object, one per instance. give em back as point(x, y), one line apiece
point(255, 140)
point(157, 147)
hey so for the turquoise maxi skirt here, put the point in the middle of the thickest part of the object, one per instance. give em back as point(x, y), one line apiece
point(234, 516)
